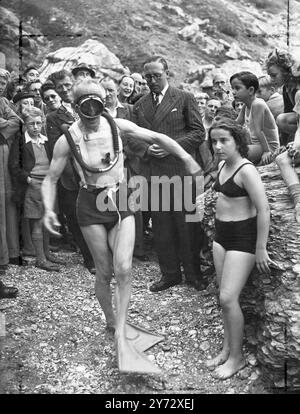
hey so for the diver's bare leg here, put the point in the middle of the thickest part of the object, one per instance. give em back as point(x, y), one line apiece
point(96, 237)
point(121, 241)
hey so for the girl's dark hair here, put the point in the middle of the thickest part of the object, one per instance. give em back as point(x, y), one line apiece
point(247, 78)
point(279, 58)
point(284, 60)
point(238, 133)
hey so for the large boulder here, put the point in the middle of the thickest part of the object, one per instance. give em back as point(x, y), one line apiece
point(271, 303)
point(91, 52)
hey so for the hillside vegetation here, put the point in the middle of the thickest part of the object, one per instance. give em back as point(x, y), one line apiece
point(133, 29)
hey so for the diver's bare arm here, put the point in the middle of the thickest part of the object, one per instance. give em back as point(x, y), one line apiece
point(60, 156)
point(162, 140)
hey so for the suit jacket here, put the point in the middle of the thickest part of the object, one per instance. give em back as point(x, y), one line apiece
point(54, 120)
point(20, 163)
point(178, 117)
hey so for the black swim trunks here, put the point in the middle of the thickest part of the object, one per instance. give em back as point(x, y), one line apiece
point(89, 211)
point(237, 235)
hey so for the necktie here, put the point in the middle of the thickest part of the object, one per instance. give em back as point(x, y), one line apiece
point(156, 99)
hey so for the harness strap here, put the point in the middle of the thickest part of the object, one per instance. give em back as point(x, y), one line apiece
point(78, 156)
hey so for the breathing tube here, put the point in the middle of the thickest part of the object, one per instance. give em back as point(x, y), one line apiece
point(78, 156)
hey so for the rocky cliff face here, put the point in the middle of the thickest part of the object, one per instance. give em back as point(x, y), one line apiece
point(188, 33)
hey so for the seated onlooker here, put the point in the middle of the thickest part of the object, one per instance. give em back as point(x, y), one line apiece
point(29, 162)
point(268, 92)
point(256, 117)
point(283, 69)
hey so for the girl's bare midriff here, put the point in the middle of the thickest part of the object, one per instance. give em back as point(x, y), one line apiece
point(234, 208)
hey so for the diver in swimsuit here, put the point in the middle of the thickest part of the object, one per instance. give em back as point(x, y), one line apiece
point(95, 145)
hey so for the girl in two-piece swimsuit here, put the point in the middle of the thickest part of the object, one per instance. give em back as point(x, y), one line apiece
point(242, 226)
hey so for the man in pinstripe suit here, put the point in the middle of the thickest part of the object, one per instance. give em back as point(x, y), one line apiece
point(175, 113)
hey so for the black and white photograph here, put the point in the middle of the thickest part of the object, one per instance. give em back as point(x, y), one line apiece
point(150, 200)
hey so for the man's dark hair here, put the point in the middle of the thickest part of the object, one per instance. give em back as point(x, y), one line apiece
point(59, 75)
point(159, 59)
point(46, 87)
point(247, 78)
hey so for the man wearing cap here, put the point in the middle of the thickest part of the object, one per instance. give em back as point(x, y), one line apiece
point(107, 226)
point(83, 71)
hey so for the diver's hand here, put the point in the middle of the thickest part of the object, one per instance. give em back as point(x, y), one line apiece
point(51, 223)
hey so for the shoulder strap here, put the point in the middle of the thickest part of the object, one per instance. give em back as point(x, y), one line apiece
point(241, 166)
point(221, 168)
